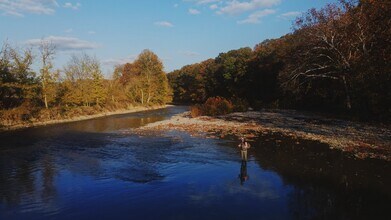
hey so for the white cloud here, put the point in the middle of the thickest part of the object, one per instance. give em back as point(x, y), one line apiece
point(193, 11)
point(13, 13)
point(290, 14)
point(237, 7)
point(214, 7)
point(91, 32)
point(119, 61)
point(65, 43)
point(75, 6)
point(255, 17)
point(70, 30)
point(202, 2)
point(21, 7)
point(164, 24)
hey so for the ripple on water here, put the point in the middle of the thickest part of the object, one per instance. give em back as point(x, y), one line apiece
point(75, 171)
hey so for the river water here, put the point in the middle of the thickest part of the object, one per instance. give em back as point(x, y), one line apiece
point(99, 169)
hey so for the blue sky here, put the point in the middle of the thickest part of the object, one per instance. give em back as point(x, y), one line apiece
point(180, 32)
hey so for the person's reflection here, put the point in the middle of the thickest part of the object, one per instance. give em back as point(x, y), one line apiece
point(243, 176)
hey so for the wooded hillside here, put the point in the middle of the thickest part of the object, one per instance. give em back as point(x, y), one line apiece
point(336, 60)
point(76, 90)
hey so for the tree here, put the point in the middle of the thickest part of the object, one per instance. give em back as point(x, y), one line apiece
point(193, 83)
point(48, 77)
point(263, 69)
point(149, 67)
point(5, 76)
point(84, 81)
point(98, 90)
point(18, 81)
point(372, 84)
point(133, 83)
point(153, 82)
point(116, 92)
point(230, 76)
point(331, 47)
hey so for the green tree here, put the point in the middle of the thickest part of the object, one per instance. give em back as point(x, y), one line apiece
point(230, 76)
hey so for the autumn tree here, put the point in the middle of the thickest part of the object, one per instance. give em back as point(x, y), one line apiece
point(153, 79)
point(372, 85)
point(5, 76)
point(18, 81)
point(331, 47)
point(98, 90)
point(189, 84)
point(230, 75)
point(262, 86)
point(84, 81)
point(144, 80)
point(116, 89)
point(133, 83)
point(336, 60)
point(48, 77)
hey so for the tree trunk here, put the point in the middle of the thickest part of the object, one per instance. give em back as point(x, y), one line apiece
point(46, 101)
point(149, 97)
point(348, 103)
point(142, 96)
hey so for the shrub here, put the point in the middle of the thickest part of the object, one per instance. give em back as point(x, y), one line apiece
point(196, 111)
point(212, 107)
point(15, 116)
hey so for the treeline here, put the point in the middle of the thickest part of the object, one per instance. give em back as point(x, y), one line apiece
point(78, 89)
point(337, 60)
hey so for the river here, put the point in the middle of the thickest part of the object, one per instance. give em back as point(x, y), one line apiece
point(99, 169)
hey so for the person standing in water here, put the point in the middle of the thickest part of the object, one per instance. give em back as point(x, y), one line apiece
point(243, 148)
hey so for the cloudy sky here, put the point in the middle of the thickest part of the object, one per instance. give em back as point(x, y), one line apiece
point(180, 32)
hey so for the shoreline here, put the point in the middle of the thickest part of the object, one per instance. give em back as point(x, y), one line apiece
point(359, 139)
point(81, 118)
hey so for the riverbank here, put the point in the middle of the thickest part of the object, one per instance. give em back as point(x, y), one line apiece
point(30, 123)
point(359, 139)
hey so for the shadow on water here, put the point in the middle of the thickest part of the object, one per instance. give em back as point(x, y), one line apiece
point(96, 169)
point(327, 184)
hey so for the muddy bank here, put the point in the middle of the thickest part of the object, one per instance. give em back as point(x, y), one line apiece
point(79, 118)
point(359, 139)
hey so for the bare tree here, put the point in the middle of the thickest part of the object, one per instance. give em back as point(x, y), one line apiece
point(47, 51)
point(331, 44)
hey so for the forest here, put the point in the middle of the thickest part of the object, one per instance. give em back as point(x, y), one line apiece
point(76, 90)
point(336, 61)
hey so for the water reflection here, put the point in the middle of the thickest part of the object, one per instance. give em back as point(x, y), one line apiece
point(326, 184)
point(243, 176)
point(90, 170)
point(27, 181)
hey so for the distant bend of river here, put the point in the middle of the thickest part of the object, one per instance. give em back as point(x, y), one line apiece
point(99, 169)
